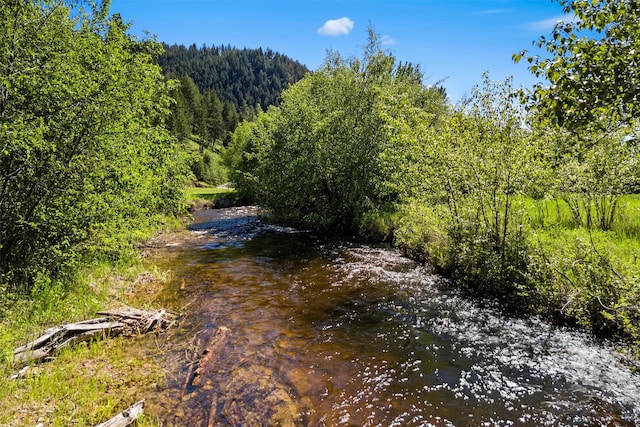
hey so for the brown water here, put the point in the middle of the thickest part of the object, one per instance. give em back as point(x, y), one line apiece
point(338, 334)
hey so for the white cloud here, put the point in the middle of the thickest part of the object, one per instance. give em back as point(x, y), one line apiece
point(549, 24)
point(336, 27)
point(387, 41)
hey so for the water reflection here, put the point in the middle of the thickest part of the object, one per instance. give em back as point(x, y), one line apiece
point(338, 334)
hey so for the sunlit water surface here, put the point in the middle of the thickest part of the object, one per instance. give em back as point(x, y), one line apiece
point(338, 334)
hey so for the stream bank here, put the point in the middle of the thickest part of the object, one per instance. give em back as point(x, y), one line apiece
point(335, 333)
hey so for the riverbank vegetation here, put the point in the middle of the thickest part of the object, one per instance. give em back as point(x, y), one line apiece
point(88, 171)
point(86, 165)
point(512, 194)
point(89, 383)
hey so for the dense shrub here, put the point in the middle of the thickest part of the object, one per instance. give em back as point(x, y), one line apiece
point(84, 158)
point(322, 158)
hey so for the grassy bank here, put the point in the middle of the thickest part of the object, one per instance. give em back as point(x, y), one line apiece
point(553, 264)
point(86, 384)
point(205, 196)
point(89, 383)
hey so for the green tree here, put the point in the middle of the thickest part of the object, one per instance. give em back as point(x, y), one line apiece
point(230, 116)
point(593, 169)
point(594, 64)
point(324, 165)
point(84, 158)
point(247, 154)
point(214, 121)
point(475, 170)
point(196, 112)
point(179, 122)
point(594, 99)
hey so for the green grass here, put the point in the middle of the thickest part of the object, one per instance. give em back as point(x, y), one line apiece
point(578, 275)
point(86, 384)
point(590, 275)
point(628, 225)
point(556, 213)
point(207, 193)
point(199, 197)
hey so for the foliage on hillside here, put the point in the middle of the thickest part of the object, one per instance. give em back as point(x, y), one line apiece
point(245, 77)
point(202, 125)
point(219, 86)
point(85, 162)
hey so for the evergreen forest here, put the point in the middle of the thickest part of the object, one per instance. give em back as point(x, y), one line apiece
point(220, 86)
point(248, 78)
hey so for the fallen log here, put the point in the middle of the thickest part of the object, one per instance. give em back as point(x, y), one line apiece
point(211, 354)
point(46, 337)
point(208, 353)
point(125, 417)
point(206, 356)
point(126, 321)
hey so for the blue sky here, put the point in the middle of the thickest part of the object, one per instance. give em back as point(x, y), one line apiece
point(454, 40)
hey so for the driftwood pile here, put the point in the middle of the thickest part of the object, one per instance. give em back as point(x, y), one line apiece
point(127, 321)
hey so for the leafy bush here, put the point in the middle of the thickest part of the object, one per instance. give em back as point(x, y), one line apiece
point(84, 158)
point(589, 277)
point(325, 157)
point(206, 165)
point(475, 169)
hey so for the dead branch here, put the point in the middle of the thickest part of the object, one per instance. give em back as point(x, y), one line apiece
point(127, 321)
point(125, 417)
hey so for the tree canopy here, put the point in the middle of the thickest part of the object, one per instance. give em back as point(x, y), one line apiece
point(323, 157)
point(594, 63)
point(84, 157)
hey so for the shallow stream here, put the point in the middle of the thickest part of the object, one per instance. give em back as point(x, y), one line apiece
point(339, 334)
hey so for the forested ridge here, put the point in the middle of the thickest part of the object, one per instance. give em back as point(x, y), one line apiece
point(244, 77)
point(219, 86)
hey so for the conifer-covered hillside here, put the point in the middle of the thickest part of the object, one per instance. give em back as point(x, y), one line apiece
point(244, 77)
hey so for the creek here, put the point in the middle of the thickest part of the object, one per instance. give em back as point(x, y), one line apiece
point(331, 333)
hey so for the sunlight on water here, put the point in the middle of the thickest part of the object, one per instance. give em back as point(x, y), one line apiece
point(335, 334)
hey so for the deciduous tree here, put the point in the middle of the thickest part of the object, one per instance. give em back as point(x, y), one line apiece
point(328, 162)
point(593, 66)
point(84, 157)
